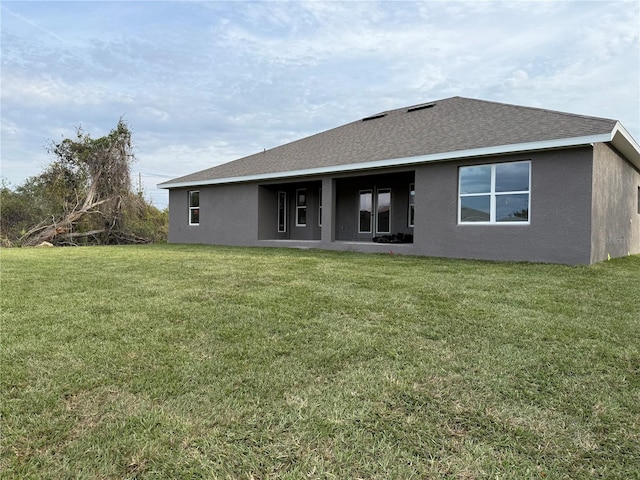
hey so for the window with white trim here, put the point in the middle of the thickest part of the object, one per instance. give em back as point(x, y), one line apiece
point(194, 207)
point(412, 204)
point(301, 207)
point(320, 207)
point(495, 193)
point(282, 212)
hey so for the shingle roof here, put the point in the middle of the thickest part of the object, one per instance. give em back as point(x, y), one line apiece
point(449, 125)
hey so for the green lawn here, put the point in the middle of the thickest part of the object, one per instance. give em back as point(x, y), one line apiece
point(205, 362)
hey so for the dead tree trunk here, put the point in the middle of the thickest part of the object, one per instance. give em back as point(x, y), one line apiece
point(46, 232)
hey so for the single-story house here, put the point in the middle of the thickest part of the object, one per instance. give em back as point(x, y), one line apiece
point(458, 177)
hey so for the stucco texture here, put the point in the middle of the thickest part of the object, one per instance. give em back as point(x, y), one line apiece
point(615, 216)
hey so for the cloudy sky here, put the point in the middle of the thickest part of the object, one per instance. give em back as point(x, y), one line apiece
point(201, 83)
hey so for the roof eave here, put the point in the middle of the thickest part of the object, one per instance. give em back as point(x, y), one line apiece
point(618, 136)
point(625, 144)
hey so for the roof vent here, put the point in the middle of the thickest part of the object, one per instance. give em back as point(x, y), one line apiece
point(421, 107)
point(373, 117)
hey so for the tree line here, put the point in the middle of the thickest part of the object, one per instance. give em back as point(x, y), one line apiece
point(84, 197)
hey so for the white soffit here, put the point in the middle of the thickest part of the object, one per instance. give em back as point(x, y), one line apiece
point(625, 144)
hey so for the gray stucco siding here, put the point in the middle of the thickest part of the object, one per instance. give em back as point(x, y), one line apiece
point(559, 226)
point(615, 216)
point(228, 215)
point(574, 217)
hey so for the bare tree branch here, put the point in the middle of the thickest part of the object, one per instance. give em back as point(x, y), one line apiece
point(99, 171)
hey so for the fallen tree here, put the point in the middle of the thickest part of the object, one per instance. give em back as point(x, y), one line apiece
point(61, 230)
point(87, 190)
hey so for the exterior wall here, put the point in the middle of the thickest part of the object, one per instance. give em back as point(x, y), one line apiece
point(268, 214)
point(616, 216)
point(268, 211)
point(348, 203)
point(328, 230)
point(228, 215)
point(560, 228)
point(560, 212)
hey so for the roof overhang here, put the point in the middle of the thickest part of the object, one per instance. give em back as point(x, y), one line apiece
point(625, 144)
point(618, 137)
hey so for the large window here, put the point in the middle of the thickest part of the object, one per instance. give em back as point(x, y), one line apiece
point(194, 207)
point(383, 210)
point(366, 201)
point(282, 211)
point(497, 193)
point(301, 207)
point(412, 204)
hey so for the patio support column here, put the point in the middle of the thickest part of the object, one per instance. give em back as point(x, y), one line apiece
point(328, 210)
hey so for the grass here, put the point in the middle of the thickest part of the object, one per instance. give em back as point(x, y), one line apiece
point(177, 361)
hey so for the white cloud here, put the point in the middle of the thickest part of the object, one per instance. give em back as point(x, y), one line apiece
point(519, 78)
point(155, 114)
point(48, 91)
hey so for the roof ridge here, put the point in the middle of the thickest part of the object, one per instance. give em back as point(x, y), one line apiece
point(539, 109)
point(408, 107)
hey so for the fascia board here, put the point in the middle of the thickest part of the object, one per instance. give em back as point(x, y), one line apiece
point(625, 144)
point(396, 162)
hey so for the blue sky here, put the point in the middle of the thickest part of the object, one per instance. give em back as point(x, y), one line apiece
point(202, 83)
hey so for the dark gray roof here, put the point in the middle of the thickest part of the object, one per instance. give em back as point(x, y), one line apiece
point(449, 125)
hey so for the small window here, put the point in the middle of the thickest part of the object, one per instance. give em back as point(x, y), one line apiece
point(497, 193)
point(194, 207)
point(282, 211)
point(383, 210)
point(364, 220)
point(320, 207)
point(412, 203)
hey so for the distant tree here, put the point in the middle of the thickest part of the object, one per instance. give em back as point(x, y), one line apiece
point(15, 214)
point(84, 196)
point(145, 220)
